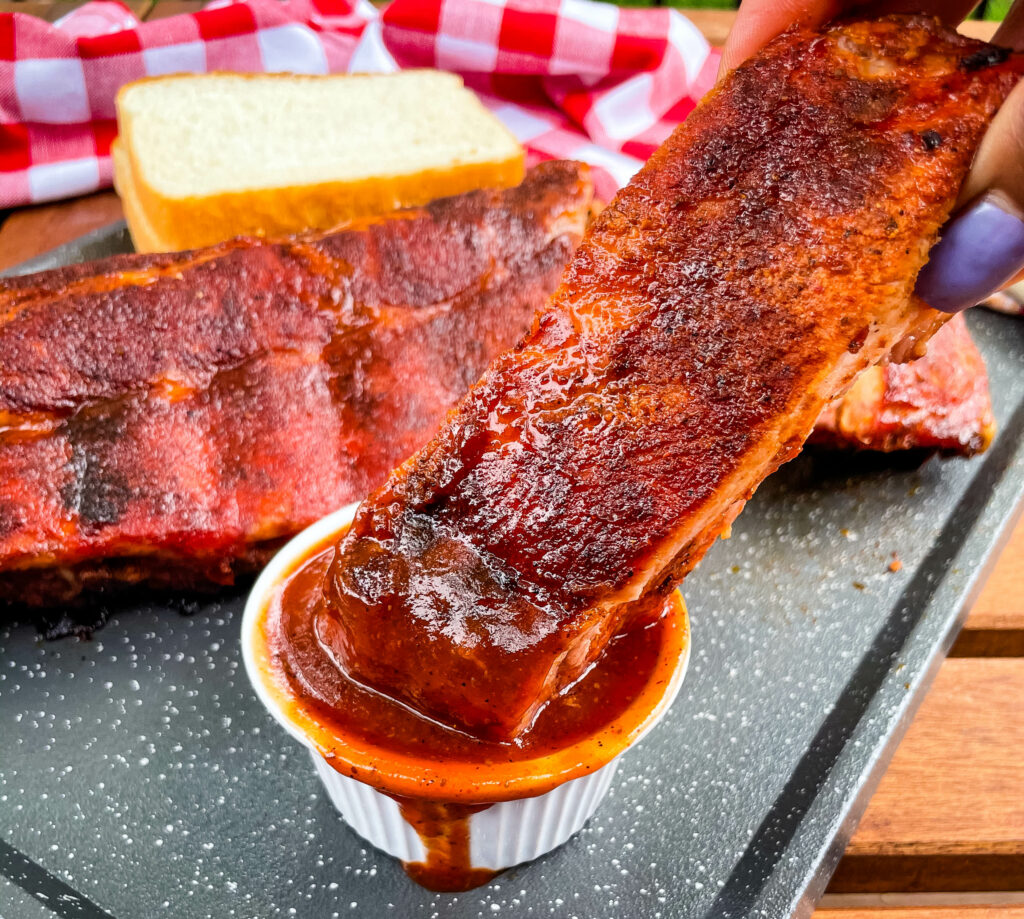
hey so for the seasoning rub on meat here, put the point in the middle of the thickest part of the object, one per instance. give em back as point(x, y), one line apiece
point(170, 419)
point(764, 256)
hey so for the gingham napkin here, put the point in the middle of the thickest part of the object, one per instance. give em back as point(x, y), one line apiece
point(571, 78)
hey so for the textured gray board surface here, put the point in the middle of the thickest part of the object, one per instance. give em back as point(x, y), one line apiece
point(140, 777)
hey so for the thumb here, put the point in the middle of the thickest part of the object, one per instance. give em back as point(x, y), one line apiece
point(982, 248)
point(999, 163)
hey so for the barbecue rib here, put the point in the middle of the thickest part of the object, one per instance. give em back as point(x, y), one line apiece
point(84, 361)
point(763, 257)
point(170, 418)
point(940, 401)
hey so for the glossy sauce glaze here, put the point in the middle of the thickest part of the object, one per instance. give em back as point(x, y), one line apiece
point(356, 727)
point(763, 256)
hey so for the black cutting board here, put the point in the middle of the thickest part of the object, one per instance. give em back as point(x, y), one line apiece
point(140, 777)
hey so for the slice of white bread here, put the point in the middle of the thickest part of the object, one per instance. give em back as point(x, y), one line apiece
point(211, 156)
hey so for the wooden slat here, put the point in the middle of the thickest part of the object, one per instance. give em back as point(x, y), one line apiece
point(163, 8)
point(58, 8)
point(1001, 604)
point(926, 912)
point(995, 624)
point(38, 8)
point(989, 643)
point(949, 812)
point(32, 230)
point(979, 28)
point(715, 24)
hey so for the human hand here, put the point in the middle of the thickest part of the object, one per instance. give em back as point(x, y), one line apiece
point(982, 248)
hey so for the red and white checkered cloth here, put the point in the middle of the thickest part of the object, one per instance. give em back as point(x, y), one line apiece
point(571, 78)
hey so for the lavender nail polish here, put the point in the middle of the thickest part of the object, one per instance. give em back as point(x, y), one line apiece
point(979, 252)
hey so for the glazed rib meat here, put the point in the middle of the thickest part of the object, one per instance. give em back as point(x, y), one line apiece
point(939, 401)
point(763, 257)
point(169, 419)
point(121, 380)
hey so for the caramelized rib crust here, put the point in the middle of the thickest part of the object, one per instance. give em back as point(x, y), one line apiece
point(170, 418)
point(763, 257)
point(940, 401)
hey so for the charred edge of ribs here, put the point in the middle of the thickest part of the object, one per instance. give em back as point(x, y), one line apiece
point(78, 600)
point(78, 585)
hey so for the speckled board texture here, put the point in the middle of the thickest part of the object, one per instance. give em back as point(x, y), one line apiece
point(140, 777)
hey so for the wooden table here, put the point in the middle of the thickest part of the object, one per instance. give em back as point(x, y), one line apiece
point(943, 836)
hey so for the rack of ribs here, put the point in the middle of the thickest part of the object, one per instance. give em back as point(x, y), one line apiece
point(184, 526)
point(170, 419)
point(764, 256)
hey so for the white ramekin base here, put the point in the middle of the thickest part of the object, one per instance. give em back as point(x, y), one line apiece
point(504, 834)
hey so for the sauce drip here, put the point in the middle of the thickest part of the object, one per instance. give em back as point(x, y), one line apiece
point(444, 831)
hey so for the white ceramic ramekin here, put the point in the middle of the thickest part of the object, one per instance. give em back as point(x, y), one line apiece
point(505, 833)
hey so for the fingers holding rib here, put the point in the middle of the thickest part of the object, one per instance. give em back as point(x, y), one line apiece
point(759, 21)
point(982, 248)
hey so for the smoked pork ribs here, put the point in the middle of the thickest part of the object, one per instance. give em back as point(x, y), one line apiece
point(764, 256)
point(169, 419)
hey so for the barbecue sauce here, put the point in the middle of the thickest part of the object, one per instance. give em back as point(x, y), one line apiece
point(444, 831)
point(330, 705)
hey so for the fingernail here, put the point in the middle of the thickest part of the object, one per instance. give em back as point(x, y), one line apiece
point(979, 252)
